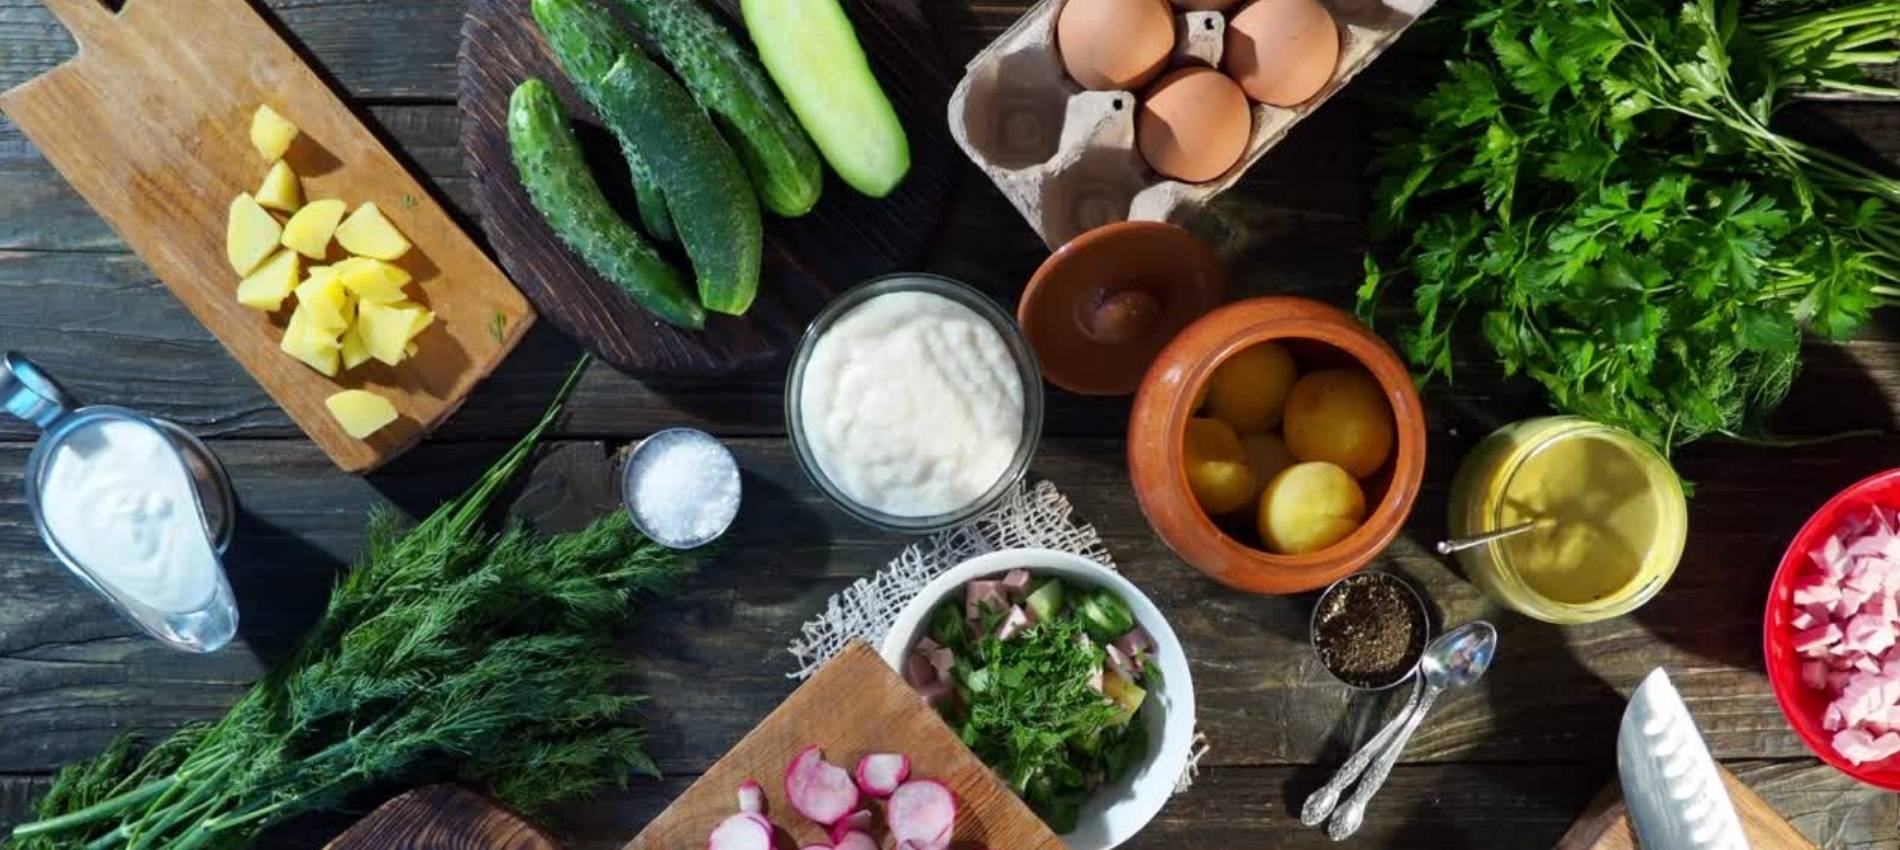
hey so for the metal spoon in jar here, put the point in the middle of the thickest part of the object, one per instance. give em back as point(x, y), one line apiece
point(1447, 547)
point(1456, 659)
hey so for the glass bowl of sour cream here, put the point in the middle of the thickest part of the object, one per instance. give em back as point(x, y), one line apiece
point(914, 402)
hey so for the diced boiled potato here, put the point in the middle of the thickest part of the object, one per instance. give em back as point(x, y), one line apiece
point(361, 412)
point(388, 328)
point(250, 235)
point(373, 280)
point(355, 350)
point(271, 133)
point(266, 288)
point(309, 231)
point(317, 348)
point(328, 305)
point(282, 190)
point(424, 317)
point(367, 233)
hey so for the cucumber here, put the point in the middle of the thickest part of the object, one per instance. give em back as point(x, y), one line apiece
point(813, 54)
point(1046, 600)
point(549, 158)
point(713, 208)
point(727, 81)
point(586, 39)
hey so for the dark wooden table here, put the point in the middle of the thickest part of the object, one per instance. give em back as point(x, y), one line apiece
point(1506, 766)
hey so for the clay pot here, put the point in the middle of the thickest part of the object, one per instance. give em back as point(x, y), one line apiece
point(1101, 307)
point(1318, 336)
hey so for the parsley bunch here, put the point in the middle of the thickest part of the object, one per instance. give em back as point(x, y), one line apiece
point(1597, 188)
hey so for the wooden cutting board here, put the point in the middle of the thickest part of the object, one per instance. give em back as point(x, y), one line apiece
point(1605, 825)
point(854, 706)
point(441, 817)
point(846, 239)
point(151, 123)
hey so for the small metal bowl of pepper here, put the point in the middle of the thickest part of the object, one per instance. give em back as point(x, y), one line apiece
point(1370, 629)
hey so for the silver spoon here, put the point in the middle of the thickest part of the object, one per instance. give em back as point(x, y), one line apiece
point(1447, 547)
point(1456, 659)
point(1322, 802)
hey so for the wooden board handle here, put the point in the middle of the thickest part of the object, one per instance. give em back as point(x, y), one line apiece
point(82, 17)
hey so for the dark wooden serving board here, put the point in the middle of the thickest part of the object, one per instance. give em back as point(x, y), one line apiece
point(441, 817)
point(847, 239)
point(1605, 824)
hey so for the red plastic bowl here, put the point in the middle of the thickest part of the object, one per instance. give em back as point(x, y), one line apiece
point(1800, 704)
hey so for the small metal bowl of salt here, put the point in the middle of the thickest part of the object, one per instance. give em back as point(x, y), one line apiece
point(681, 487)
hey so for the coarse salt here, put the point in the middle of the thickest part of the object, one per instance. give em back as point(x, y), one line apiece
point(683, 488)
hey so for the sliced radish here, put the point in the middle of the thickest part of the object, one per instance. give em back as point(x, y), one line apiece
point(858, 821)
point(751, 797)
point(879, 774)
point(856, 841)
point(821, 791)
point(922, 813)
point(741, 832)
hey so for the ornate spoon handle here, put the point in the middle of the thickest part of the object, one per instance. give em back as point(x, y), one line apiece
point(1321, 803)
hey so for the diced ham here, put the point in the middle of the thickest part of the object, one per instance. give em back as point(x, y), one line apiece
point(918, 672)
point(1135, 645)
point(1802, 621)
point(982, 597)
point(1121, 663)
point(1013, 623)
point(1814, 642)
point(1850, 602)
point(942, 659)
point(1838, 679)
point(1016, 584)
point(1096, 679)
point(1866, 665)
point(936, 693)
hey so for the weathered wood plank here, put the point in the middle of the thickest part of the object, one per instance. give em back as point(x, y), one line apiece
point(72, 675)
point(1424, 807)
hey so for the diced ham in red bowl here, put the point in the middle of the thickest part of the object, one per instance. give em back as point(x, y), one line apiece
point(1831, 637)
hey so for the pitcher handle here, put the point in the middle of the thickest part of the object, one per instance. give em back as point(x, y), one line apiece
point(28, 392)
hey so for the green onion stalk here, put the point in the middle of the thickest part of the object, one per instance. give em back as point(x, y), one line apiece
point(447, 653)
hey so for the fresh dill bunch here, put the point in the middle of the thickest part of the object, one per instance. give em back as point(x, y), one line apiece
point(447, 653)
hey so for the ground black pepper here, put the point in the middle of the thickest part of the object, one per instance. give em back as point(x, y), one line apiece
point(1369, 630)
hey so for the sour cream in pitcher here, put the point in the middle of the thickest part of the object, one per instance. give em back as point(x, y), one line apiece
point(118, 498)
point(912, 404)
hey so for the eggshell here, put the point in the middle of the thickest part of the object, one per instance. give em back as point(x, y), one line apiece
point(1193, 124)
point(1114, 44)
point(1204, 5)
point(1282, 52)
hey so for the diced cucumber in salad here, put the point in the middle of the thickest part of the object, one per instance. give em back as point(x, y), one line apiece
point(1042, 680)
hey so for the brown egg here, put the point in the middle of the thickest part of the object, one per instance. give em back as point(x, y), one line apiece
point(1193, 124)
point(1114, 44)
point(1203, 5)
point(1282, 52)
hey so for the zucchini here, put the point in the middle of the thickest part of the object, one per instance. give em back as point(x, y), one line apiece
point(713, 208)
point(586, 39)
point(562, 189)
point(813, 54)
point(727, 81)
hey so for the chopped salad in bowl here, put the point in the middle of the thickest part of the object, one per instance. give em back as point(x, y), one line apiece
point(1062, 677)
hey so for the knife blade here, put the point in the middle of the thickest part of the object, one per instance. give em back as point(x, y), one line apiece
point(1670, 783)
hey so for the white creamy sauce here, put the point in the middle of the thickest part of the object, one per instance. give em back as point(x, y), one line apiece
point(912, 404)
point(118, 498)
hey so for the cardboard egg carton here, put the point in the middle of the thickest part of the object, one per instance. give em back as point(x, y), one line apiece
point(1066, 156)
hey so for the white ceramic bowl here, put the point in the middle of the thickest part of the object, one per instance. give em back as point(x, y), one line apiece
point(1119, 810)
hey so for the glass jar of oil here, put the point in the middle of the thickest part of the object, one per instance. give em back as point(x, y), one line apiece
point(1609, 513)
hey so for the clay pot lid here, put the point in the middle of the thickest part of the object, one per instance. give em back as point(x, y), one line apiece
point(1102, 306)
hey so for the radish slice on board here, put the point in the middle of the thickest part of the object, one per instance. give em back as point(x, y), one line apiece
point(751, 798)
point(858, 821)
point(857, 841)
point(821, 791)
point(922, 813)
point(741, 832)
point(879, 774)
